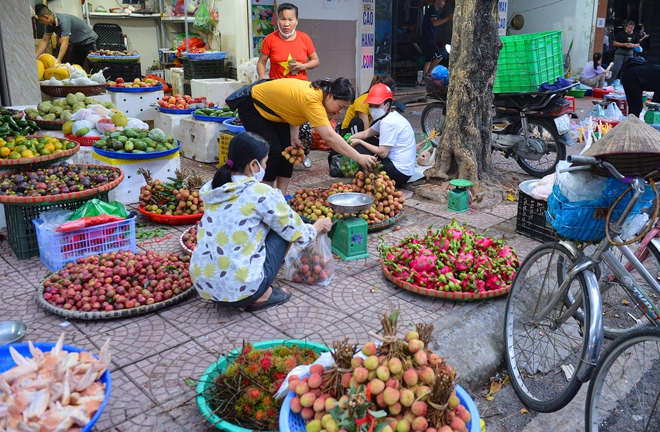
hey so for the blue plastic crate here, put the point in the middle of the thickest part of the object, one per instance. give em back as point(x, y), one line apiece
point(58, 249)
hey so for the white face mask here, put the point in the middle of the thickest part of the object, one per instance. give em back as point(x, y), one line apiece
point(287, 35)
point(377, 113)
point(259, 175)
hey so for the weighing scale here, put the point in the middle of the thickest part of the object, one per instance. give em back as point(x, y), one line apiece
point(652, 116)
point(349, 234)
point(459, 197)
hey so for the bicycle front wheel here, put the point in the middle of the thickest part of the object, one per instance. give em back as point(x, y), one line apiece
point(624, 392)
point(543, 350)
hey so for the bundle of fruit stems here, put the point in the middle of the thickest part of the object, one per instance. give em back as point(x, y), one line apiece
point(342, 353)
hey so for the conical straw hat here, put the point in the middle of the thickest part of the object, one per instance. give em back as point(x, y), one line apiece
point(632, 146)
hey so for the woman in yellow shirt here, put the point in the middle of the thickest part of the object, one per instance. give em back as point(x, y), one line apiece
point(277, 108)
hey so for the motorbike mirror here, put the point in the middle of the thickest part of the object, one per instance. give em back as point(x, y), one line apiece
point(448, 48)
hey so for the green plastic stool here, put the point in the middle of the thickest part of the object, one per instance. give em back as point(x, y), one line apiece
point(459, 197)
point(349, 238)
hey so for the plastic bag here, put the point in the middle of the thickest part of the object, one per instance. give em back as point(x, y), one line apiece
point(313, 264)
point(203, 21)
point(612, 112)
point(334, 164)
point(348, 167)
point(88, 221)
point(325, 360)
point(579, 185)
point(51, 220)
point(96, 207)
point(247, 70)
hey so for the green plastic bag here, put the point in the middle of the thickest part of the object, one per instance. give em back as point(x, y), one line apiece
point(203, 21)
point(96, 207)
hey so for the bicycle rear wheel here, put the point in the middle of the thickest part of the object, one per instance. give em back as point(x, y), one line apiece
point(541, 350)
point(620, 311)
point(624, 392)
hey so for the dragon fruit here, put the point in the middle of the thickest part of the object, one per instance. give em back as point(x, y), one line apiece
point(452, 259)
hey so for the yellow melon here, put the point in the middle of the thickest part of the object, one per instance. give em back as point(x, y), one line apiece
point(40, 70)
point(48, 60)
point(60, 73)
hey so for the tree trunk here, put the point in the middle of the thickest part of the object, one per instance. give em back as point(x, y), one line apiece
point(464, 147)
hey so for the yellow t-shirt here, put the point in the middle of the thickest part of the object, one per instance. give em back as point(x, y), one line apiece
point(294, 101)
point(359, 106)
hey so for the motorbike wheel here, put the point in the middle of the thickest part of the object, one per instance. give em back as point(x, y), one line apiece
point(433, 117)
point(557, 151)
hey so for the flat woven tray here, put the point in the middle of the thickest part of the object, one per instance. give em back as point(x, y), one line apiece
point(171, 220)
point(45, 199)
point(62, 91)
point(456, 296)
point(370, 227)
point(49, 124)
point(111, 314)
point(26, 163)
point(113, 59)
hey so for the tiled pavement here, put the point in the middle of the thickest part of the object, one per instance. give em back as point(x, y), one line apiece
point(154, 353)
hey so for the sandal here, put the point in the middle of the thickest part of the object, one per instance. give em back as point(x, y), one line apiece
point(277, 297)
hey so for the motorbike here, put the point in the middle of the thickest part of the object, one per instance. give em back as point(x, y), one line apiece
point(533, 128)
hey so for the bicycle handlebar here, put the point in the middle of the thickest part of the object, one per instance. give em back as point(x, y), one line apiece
point(590, 161)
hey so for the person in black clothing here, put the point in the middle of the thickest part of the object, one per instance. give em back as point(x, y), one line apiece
point(637, 76)
point(432, 52)
point(624, 42)
point(644, 40)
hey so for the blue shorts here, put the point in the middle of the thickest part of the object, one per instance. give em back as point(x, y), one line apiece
point(431, 50)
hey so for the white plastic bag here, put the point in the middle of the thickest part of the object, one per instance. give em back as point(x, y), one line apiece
point(325, 360)
point(247, 71)
point(612, 112)
point(51, 220)
point(313, 264)
point(579, 185)
point(633, 225)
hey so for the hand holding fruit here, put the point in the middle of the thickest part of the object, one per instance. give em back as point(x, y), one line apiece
point(323, 225)
point(294, 156)
point(366, 161)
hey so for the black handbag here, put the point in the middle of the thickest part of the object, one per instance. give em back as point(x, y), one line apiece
point(234, 99)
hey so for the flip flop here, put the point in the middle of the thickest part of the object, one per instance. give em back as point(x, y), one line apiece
point(278, 296)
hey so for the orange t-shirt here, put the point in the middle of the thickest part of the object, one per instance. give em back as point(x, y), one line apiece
point(280, 51)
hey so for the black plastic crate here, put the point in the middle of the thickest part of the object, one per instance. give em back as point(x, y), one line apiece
point(186, 89)
point(203, 69)
point(531, 221)
point(128, 71)
point(21, 233)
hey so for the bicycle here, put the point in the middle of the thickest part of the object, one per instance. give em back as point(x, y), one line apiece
point(624, 393)
point(553, 328)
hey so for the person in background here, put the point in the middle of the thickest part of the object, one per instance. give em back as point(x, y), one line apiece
point(70, 30)
point(277, 108)
point(357, 116)
point(246, 231)
point(291, 52)
point(593, 74)
point(432, 52)
point(626, 40)
point(444, 31)
point(396, 147)
point(637, 76)
point(644, 38)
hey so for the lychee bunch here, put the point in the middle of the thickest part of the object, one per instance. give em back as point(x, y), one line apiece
point(294, 156)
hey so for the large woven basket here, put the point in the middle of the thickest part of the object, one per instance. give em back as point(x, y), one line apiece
point(62, 91)
point(26, 163)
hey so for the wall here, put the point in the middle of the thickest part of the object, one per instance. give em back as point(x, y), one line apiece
point(576, 19)
point(19, 53)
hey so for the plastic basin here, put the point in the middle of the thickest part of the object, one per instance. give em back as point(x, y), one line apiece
point(6, 363)
point(290, 422)
point(219, 366)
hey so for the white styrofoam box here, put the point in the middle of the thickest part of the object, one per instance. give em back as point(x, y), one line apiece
point(170, 123)
point(103, 97)
point(177, 81)
point(128, 191)
point(199, 139)
point(215, 89)
point(138, 105)
point(83, 156)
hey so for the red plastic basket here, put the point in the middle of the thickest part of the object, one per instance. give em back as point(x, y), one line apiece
point(171, 220)
point(84, 141)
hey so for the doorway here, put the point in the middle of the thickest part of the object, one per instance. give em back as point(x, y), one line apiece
point(646, 12)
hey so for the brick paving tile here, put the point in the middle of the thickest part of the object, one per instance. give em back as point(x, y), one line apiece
point(186, 416)
point(139, 339)
point(162, 375)
point(49, 327)
point(14, 285)
point(128, 401)
point(250, 328)
point(196, 317)
point(5, 262)
point(94, 327)
point(22, 307)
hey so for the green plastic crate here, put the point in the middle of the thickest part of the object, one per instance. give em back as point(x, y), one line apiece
point(21, 233)
point(527, 61)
